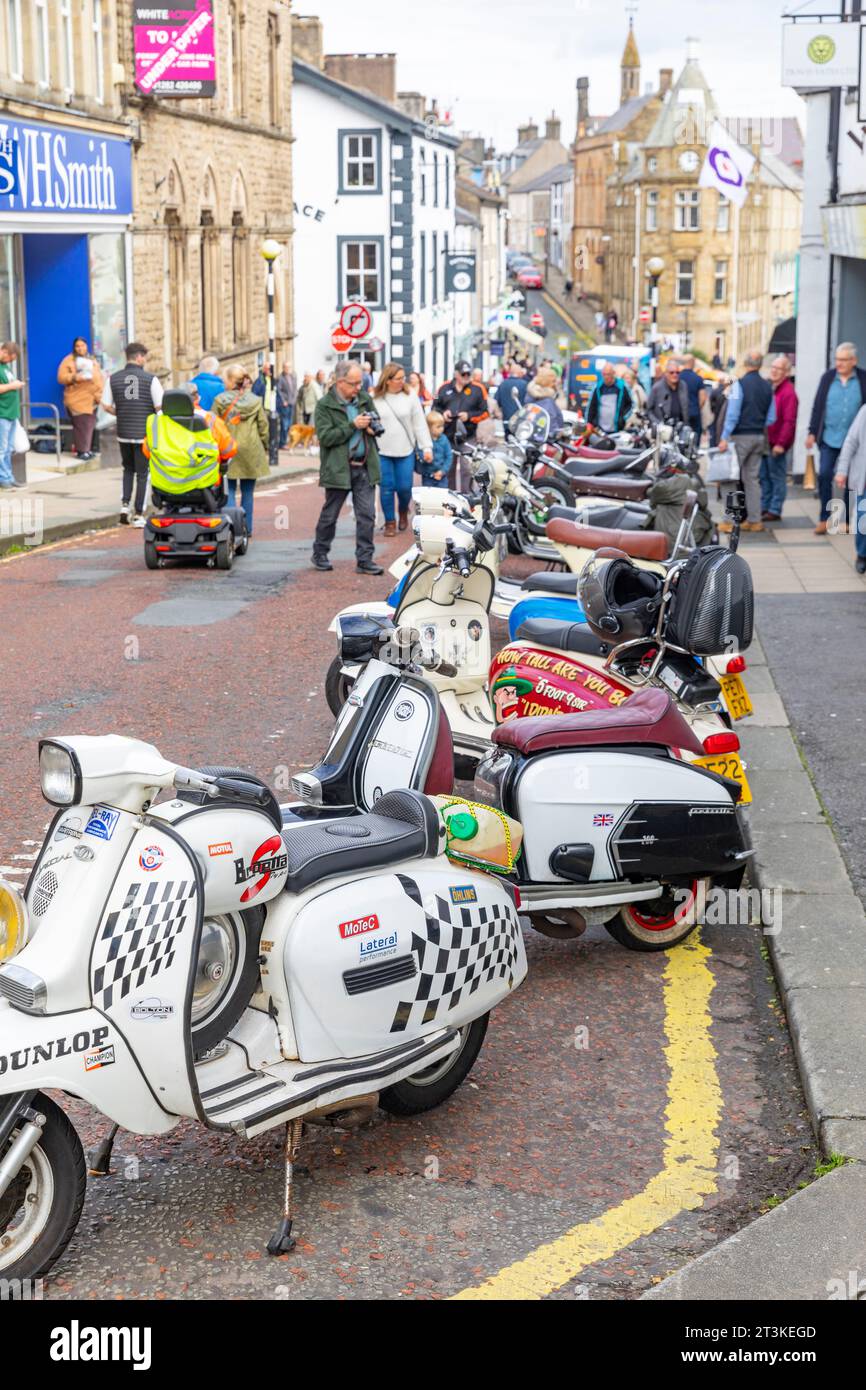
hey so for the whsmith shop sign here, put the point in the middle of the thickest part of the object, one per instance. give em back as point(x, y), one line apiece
point(54, 169)
point(175, 48)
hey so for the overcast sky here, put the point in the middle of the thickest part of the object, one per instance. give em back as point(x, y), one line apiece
point(499, 62)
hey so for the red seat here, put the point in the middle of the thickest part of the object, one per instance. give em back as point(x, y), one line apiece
point(586, 451)
point(640, 545)
point(650, 716)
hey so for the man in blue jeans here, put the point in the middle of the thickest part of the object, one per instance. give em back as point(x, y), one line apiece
point(841, 392)
point(10, 411)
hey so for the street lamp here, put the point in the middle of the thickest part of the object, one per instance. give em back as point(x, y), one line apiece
point(655, 265)
point(270, 251)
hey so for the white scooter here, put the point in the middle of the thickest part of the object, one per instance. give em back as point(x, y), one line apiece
point(201, 958)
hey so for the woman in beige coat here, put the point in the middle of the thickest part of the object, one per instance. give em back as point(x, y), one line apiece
point(81, 378)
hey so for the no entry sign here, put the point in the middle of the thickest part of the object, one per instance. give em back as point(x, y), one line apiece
point(341, 341)
point(355, 320)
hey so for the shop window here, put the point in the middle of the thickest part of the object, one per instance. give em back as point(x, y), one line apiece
point(98, 50)
point(240, 279)
point(14, 40)
point(8, 301)
point(211, 283)
point(361, 270)
point(360, 161)
point(108, 307)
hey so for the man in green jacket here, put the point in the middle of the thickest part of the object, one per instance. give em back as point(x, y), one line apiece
point(349, 463)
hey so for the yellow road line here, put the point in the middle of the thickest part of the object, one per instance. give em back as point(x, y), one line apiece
point(691, 1146)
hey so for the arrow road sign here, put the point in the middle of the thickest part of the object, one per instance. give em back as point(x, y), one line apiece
point(355, 320)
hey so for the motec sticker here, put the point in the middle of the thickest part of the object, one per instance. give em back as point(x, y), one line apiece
point(359, 926)
point(102, 823)
point(268, 860)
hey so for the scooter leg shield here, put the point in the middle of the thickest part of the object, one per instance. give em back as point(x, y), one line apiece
point(84, 1054)
point(392, 958)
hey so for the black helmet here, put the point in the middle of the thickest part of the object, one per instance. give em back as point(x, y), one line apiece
point(621, 602)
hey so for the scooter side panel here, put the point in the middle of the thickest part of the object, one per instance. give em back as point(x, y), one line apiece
point(585, 797)
point(394, 957)
point(81, 1053)
point(528, 681)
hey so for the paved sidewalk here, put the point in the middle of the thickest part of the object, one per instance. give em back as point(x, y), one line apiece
point(812, 1246)
point(55, 505)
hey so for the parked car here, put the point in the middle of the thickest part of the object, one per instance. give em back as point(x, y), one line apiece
point(530, 278)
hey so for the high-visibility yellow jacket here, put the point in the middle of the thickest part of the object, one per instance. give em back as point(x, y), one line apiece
point(181, 460)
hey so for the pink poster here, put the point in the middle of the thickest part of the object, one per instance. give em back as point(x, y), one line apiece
point(175, 48)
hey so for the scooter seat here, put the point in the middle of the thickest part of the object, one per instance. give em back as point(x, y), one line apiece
point(404, 825)
point(650, 716)
point(629, 517)
point(578, 638)
point(640, 545)
point(623, 489)
point(549, 582)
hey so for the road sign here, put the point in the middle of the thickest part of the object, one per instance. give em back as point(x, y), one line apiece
point(537, 320)
point(341, 341)
point(375, 344)
point(645, 315)
point(563, 343)
point(355, 320)
point(508, 317)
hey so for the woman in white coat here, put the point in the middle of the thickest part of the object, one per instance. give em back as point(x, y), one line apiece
point(851, 474)
point(406, 432)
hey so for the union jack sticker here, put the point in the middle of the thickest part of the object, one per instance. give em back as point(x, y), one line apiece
point(603, 820)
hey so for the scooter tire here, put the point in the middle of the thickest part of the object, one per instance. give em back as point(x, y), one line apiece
point(415, 1095)
point(337, 686)
point(225, 553)
point(639, 929)
point(151, 559)
point(551, 486)
point(217, 1026)
point(58, 1152)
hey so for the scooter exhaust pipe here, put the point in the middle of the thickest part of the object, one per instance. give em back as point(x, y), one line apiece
point(346, 1115)
point(568, 925)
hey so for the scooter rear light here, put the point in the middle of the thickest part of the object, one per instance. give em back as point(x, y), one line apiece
point(163, 549)
point(736, 665)
point(721, 743)
point(206, 549)
point(518, 901)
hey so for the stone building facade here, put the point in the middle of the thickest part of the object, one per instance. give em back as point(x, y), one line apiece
point(213, 180)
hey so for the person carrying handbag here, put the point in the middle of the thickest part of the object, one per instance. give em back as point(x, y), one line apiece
point(406, 434)
point(10, 412)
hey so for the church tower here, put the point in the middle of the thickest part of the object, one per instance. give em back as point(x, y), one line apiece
point(630, 68)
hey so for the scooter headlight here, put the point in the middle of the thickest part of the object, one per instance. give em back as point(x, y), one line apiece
point(60, 774)
point(14, 922)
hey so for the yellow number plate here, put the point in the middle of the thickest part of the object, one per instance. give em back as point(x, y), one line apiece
point(730, 765)
point(736, 697)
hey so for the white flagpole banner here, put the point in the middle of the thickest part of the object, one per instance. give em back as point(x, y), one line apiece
point(727, 165)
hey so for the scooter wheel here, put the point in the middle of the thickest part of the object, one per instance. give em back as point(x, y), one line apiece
point(654, 926)
point(337, 686)
point(151, 559)
point(227, 974)
point(225, 553)
point(41, 1209)
point(427, 1089)
point(554, 494)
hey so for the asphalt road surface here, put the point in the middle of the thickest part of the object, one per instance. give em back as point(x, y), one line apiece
point(626, 1112)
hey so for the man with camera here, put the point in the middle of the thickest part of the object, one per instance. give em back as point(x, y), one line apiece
point(347, 426)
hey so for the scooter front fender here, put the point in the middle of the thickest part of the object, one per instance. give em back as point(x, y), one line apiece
point(84, 1054)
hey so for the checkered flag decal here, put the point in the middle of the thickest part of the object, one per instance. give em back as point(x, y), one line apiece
point(464, 947)
point(138, 942)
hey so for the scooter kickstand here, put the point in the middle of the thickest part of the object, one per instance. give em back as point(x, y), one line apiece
point(282, 1241)
point(100, 1158)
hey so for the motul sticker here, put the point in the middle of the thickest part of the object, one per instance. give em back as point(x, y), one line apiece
point(359, 926)
point(102, 1057)
point(216, 850)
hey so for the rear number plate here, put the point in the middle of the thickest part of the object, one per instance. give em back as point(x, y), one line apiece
point(736, 696)
point(729, 765)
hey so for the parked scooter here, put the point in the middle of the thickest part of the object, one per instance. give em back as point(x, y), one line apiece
point(212, 957)
point(621, 809)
